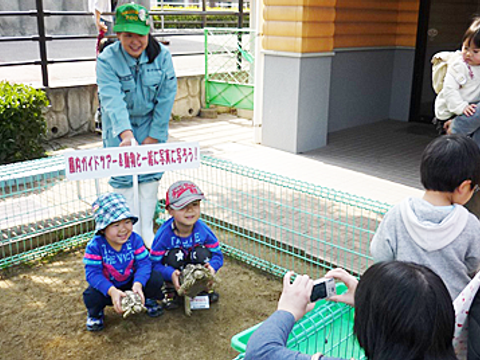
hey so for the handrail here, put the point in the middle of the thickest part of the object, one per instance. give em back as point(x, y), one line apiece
point(42, 37)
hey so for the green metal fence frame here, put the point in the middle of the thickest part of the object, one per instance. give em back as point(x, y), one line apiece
point(230, 91)
point(227, 185)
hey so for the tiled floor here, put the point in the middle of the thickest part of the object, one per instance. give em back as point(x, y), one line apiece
point(379, 161)
point(387, 149)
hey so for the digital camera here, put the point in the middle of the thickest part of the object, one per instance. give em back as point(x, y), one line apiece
point(323, 288)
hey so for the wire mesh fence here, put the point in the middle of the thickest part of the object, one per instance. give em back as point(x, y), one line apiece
point(230, 67)
point(265, 220)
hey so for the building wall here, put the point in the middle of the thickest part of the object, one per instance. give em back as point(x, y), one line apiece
point(360, 23)
point(54, 25)
point(372, 70)
point(310, 26)
point(299, 26)
point(372, 47)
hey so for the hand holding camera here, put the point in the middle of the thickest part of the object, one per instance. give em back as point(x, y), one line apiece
point(322, 289)
point(350, 281)
point(298, 297)
point(295, 296)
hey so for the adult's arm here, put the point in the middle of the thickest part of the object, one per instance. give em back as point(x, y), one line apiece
point(112, 96)
point(268, 341)
point(165, 99)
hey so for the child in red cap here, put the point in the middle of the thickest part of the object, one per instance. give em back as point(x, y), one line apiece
point(184, 239)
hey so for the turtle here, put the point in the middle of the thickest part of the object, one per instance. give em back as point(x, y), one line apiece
point(132, 304)
point(195, 279)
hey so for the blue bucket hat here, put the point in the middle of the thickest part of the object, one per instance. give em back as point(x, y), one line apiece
point(110, 208)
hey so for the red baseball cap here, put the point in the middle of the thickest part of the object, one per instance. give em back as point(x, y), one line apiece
point(182, 193)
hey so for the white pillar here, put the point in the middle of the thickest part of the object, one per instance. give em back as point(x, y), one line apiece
point(256, 20)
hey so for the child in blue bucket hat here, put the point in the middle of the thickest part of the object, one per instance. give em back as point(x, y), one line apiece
point(116, 260)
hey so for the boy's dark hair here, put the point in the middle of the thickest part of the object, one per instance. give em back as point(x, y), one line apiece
point(153, 48)
point(404, 311)
point(472, 35)
point(448, 161)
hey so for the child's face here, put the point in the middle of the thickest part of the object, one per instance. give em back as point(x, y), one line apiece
point(470, 53)
point(119, 232)
point(187, 216)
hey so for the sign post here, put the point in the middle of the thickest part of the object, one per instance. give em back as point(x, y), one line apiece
point(131, 160)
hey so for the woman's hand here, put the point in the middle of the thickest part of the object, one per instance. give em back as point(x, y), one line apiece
point(295, 297)
point(349, 280)
point(149, 140)
point(126, 137)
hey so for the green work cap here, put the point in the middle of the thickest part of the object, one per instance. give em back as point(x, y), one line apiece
point(132, 18)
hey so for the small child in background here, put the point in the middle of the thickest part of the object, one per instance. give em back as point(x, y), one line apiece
point(116, 260)
point(184, 239)
point(461, 88)
point(437, 231)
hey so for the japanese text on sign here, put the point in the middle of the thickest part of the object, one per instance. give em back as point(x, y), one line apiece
point(130, 160)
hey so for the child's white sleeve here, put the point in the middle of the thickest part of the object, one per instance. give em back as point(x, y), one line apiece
point(455, 78)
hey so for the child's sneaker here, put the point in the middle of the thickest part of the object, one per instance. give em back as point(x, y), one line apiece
point(439, 125)
point(154, 309)
point(213, 296)
point(95, 323)
point(171, 301)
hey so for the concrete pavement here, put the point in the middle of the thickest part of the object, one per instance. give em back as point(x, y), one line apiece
point(231, 138)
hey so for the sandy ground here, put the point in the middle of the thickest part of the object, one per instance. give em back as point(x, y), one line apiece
point(43, 317)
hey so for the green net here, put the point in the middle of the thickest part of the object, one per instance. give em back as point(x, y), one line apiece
point(267, 221)
point(229, 67)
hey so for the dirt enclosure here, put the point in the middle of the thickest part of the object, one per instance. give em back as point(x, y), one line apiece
point(43, 317)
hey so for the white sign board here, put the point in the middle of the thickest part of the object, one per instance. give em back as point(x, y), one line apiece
point(131, 160)
point(200, 302)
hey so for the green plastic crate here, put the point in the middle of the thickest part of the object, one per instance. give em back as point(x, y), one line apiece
point(327, 329)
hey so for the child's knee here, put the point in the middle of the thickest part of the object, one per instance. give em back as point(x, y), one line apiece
point(200, 255)
point(175, 258)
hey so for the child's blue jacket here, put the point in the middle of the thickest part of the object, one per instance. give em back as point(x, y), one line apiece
point(165, 239)
point(104, 266)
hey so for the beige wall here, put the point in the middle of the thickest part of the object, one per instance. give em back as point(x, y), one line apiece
point(309, 26)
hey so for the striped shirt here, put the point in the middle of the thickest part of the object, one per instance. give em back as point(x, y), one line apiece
point(105, 267)
point(165, 239)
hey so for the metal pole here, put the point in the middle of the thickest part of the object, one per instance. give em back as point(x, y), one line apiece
point(42, 41)
point(204, 17)
point(240, 14)
point(207, 101)
point(239, 34)
point(162, 18)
